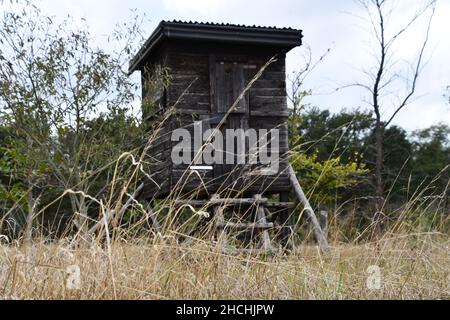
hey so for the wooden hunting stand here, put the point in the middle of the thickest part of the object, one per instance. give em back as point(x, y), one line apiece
point(224, 77)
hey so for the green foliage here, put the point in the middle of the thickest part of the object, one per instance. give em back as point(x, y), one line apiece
point(323, 179)
point(322, 171)
point(432, 158)
point(398, 162)
point(411, 162)
point(341, 134)
point(12, 191)
point(157, 80)
point(66, 104)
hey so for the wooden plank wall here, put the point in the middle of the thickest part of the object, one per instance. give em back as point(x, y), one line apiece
point(190, 67)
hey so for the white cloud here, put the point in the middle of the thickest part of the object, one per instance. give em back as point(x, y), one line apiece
point(187, 9)
point(325, 24)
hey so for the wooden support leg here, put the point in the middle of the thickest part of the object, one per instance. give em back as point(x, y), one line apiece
point(261, 219)
point(316, 229)
point(152, 219)
point(265, 237)
point(324, 223)
point(220, 221)
point(286, 223)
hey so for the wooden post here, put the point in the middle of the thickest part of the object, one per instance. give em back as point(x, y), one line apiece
point(219, 217)
point(286, 217)
point(222, 238)
point(324, 223)
point(151, 214)
point(316, 229)
point(261, 218)
point(115, 216)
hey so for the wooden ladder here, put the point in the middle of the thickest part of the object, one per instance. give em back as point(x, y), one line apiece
point(260, 227)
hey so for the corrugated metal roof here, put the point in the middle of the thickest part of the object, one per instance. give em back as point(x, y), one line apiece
point(287, 38)
point(227, 25)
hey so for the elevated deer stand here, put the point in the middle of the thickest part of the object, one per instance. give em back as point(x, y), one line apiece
point(225, 77)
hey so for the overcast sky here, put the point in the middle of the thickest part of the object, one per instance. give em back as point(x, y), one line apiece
point(325, 23)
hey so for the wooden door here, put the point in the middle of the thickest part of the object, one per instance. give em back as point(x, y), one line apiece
point(228, 84)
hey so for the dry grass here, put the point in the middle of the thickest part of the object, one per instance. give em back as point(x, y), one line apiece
point(412, 267)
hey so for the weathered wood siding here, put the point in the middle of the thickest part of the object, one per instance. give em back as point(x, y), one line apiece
point(194, 70)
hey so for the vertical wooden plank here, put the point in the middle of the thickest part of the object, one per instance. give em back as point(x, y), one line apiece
point(228, 98)
point(212, 83)
point(221, 88)
point(238, 83)
point(230, 83)
point(220, 110)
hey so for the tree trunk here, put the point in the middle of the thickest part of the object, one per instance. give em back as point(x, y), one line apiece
point(30, 215)
point(379, 183)
point(31, 202)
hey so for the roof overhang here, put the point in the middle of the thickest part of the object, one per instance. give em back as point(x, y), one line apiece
point(285, 38)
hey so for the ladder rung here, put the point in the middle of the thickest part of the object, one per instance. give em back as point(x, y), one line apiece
point(237, 201)
point(245, 226)
point(232, 250)
point(280, 205)
point(231, 202)
point(219, 201)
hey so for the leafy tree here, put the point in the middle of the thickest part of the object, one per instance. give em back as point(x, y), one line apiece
point(432, 159)
point(348, 135)
point(12, 190)
point(342, 134)
point(398, 163)
point(54, 83)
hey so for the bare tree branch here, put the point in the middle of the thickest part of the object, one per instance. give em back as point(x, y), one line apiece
point(417, 69)
point(384, 79)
